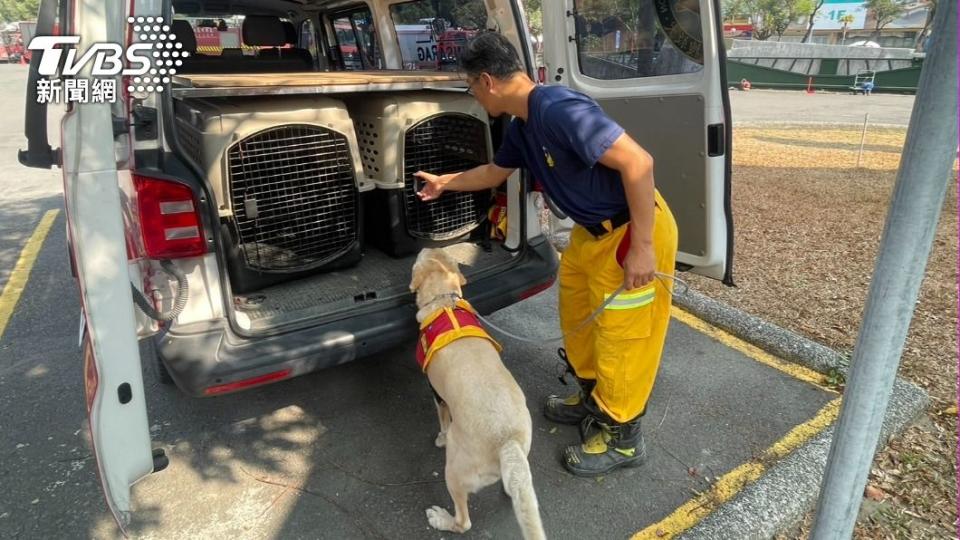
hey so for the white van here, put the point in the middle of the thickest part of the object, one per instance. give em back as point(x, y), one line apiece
point(261, 202)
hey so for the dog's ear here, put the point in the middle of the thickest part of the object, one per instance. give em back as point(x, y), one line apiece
point(416, 277)
point(449, 264)
point(421, 269)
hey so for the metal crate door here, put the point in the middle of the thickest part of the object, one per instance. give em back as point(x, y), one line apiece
point(294, 197)
point(444, 144)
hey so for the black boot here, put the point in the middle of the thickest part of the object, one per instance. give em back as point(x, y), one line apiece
point(571, 409)
point(612, 446)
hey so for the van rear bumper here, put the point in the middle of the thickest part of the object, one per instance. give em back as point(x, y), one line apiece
point(206, 360)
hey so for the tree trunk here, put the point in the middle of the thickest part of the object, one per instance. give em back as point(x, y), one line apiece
point(806, 37)
point(926, 25)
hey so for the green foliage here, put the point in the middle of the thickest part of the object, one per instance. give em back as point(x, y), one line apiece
point(836, 379)
point(885, 11)
point(18, 10)
point(534, 10)
point(469, 14)
point(769, 16)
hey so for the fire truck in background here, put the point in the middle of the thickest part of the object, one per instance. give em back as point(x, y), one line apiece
point(432, 49)
point(215, 35)
point(27, 30)
point(12, 42)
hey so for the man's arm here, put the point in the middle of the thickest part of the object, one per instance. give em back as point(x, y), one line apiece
point(635, 166)
point(476, 179)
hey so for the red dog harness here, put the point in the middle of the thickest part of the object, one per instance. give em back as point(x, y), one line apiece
point(447, 325)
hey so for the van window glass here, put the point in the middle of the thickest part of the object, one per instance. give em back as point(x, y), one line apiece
point(628, 39)
point(308, 38)
point(213, 35)
point(431, 33)
point(357, 40)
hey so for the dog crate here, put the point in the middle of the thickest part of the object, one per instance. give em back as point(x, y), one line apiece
point(437, 132)
point(284, 174)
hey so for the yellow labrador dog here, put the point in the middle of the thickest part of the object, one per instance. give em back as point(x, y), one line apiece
point(484, 421)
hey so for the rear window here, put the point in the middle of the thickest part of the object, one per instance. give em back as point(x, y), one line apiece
point(274, 44)
point(357, 40)
point(431, 34)
point(215, 34)
point(638, 38)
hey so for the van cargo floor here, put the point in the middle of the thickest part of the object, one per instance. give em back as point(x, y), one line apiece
point(376, 277)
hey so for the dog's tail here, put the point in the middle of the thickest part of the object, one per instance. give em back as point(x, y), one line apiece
point(518, 483)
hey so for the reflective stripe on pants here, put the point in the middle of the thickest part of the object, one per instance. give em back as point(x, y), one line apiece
point(621, 349)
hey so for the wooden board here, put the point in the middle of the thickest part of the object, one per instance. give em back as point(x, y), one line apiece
point(313, 79)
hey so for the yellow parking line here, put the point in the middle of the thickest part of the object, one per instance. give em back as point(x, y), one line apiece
point(752, 351)
point(728, 485)
point(21, 271)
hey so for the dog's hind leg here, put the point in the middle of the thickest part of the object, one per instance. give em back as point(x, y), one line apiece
point(443, 413)
point(438, 517)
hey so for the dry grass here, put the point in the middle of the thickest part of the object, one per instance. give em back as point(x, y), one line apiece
point(808, 224)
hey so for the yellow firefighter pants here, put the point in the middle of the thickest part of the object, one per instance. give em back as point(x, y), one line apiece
point(621, 348)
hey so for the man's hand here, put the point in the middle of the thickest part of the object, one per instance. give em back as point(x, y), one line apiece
point(639, 266)
point(432, 187)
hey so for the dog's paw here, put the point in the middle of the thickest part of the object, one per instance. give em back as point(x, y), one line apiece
point(439, 518)
point(441, 439)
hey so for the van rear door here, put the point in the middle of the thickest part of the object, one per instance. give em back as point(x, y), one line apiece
point(657, 68)
point(96, 234)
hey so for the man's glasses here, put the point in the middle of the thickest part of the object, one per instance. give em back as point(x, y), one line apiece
point(469, 89)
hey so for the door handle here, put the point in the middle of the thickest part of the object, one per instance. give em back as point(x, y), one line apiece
point(716, 140)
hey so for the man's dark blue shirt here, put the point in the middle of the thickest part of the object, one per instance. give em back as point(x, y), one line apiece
point(560, 143)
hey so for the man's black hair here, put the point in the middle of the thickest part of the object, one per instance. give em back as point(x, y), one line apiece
point(490, 52)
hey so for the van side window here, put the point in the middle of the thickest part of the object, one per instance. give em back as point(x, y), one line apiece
point(357, 40)
point(638, 38)
point(308, 39)
point(431, 34)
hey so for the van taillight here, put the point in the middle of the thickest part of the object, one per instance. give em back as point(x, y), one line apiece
point(169, 219)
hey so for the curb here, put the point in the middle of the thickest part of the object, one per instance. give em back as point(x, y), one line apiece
point(814, 123)
point(781, 497)
point(777, 341)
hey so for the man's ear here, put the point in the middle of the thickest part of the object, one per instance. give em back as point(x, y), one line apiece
point(487, 80)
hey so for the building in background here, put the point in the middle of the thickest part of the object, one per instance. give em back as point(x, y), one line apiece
point(849, 22)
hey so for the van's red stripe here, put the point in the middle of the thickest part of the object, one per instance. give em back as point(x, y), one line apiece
point(247, 383)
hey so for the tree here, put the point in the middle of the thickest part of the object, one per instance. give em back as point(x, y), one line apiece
point(755, 11)
point(885, 12)
point(534, 11)
point(931, 11)
point(846, 20)
point(18, 10)
point(768, 17)
point(810, 7)
point(781, 13)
